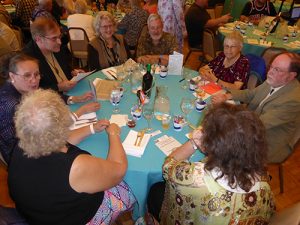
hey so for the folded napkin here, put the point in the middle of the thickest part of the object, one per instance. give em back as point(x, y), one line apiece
point(252, 41)
point(120, 120)
point(129, 142)
point(265, 43)
point(110, 73)
point(84, 120)
point(211, 88)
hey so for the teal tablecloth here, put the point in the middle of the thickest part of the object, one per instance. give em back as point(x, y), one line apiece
point(147, 170)
point(257, 49)
point(235, 7)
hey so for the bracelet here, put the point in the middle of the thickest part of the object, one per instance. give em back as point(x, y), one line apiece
point(75, 116)
point(113, 133)
point(70, 100)
point(193, 144)
point(92, 128)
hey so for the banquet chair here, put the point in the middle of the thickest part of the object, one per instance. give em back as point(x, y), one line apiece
point(270, 53)
point(218, 10)
point(78, 44)
point(296, 145)
point(209, 45)
point(257, 74)
point(190, 51)
point(211, 12)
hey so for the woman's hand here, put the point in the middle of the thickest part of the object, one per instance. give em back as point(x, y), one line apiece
point(100, 125)
point(87, 108)
point(207, 74)
point(83, 98)
point(196, 136)
point(66, 85)
point(113, 129)
point(76, 71)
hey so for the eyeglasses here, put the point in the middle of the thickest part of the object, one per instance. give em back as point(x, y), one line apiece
point(277, 70)
point(228, 46)
point(106, 27)
point(53, 38)
point(29, 76)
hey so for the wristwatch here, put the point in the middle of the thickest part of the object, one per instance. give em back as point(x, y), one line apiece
point(70, 100)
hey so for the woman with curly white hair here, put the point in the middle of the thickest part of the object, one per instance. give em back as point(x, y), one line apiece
point(107, 48)
point(55, 182)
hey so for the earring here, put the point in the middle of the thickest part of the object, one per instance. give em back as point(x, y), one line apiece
point(12, 81)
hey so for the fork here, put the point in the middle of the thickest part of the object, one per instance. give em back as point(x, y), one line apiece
point(139, 135)
point(141, 138)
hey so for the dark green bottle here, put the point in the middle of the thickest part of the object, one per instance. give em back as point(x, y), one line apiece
point(147, 81)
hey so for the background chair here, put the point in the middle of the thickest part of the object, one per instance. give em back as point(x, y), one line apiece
point(218, 10)
point(209, 45)
point(78, 45)
point(257, 74)
point(270, 53)
point(290, 216)
point(211, 12)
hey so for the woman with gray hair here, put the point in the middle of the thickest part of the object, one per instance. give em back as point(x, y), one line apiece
point(107, 49)
point(54, 182)
point(81, 19)
point(230, 68)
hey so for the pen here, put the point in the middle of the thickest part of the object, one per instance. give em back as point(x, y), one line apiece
point(112, 75)
point(182, 79)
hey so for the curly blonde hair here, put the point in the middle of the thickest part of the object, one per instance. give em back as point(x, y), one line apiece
point(103, 15)
point(42, 123)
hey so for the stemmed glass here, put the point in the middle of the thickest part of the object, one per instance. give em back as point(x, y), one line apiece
point(115, 98)
point(148, 113)
point(187, 105)
point(186, 76)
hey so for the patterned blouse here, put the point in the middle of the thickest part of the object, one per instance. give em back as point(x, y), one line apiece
point(192, 196)
point(236, 72)
point(138, 17)
point(166, 46)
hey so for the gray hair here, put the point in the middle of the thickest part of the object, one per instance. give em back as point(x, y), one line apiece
point(41, 26)
point(235, 36)
point(81, 6)
point(42, 123)
point(102, 15)
point(153, 17)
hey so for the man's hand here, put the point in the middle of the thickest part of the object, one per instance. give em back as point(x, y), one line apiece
point(83, 98)
point(218, 98)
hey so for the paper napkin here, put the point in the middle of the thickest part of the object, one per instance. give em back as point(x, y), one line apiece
point(129, 142)
point(119, 119)
point(80, 76)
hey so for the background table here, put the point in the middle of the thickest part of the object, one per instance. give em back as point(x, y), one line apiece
point(235, 7)
point(147, 170)
point(258, 49)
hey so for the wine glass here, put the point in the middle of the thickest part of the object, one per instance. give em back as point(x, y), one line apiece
point(186, 77)
point(148, 113)
point(115, 98)
point(187, 105)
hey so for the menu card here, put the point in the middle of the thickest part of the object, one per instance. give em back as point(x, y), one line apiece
point(175, 64)
point(104, 88)
point(167, 144)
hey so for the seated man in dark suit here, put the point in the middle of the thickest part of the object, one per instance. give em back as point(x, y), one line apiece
point(276, 102)
point(197, 19)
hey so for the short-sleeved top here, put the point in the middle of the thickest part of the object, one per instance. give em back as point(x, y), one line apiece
point(193, 196)
point(24, 9)
point(167, 44)
point(255, 13)
point(195, 21)
point(236, 72)
point(42, 192)
point(133, 23)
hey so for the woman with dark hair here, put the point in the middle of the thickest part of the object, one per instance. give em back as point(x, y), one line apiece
point(230, 184)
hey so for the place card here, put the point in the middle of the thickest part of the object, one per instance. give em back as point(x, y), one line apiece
point(252, 41)
point(265, 43)
point(175, 63)
point(167, 144)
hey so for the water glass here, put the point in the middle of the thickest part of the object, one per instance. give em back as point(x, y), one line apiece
point(148, 113)
point(115, 98)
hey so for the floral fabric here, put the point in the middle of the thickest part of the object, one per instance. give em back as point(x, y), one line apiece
point(171, 12)
point(193, 197)
point(236, 72)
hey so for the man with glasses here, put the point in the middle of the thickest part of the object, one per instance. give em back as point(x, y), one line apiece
point(276, 102)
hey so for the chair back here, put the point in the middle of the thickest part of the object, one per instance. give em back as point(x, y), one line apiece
point(209, 45)
point(78, 42)
point(219, 10)
point(257, 67)
point(270, 53)
point(289, 216)
point(211, 12)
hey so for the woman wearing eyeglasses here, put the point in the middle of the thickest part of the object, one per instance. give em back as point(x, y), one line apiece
point(230, 68)
point(107, 48)
point(23, 76)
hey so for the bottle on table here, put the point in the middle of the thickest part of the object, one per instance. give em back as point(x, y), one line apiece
point(147, 81)
point(274, 23)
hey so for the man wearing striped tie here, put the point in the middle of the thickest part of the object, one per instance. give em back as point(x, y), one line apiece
point(277, 103)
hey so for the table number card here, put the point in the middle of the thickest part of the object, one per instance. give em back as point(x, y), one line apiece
point(175, 63)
